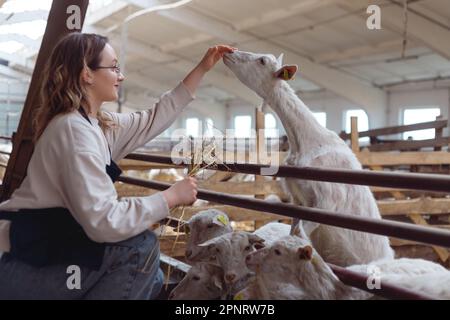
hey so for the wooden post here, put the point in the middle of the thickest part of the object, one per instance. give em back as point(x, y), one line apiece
point(23, 146)
point(354, 135)
point(438, 134)
point(260, 147)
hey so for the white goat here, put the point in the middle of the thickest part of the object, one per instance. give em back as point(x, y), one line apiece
point(230, 258)
point(313, 145)
point(273, 198)
point(292, 260)
point(204, 281)
point(229, 251)
point(272, 231)
point(204, 226)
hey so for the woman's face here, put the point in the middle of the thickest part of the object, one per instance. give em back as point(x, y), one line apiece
point(106, 80)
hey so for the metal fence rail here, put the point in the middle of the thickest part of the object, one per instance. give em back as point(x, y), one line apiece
point(348, 277)
point(429, 182)
point(415, 181)
point(382, 227)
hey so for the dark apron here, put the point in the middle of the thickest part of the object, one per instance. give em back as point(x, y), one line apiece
point(48, 236)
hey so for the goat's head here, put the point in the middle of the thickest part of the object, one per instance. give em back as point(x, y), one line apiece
point(203, 282)
point(229, 251)
point(283, 258)
point(203, 226)
point(259, 72)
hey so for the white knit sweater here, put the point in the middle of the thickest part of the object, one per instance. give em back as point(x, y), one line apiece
point(67, 169)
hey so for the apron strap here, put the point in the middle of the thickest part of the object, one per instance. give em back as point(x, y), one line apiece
point(113, 169)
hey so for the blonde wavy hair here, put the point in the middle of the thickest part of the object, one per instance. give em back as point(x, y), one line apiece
point(62, 90)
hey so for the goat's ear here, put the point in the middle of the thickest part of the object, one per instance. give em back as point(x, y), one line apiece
point(210, 242)
point(280, 59)
point(286, 72)
point(299, 231)
point(259, 245)
point(253, 238)
point(305, 253)
point(205, 253)
point(217, 282)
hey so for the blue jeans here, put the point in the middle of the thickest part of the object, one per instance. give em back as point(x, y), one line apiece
point(130, 270)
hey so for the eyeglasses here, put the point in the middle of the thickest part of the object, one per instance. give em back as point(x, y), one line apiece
point(116, 68)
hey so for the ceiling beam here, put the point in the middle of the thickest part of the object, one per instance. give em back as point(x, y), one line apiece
point(105, 11)
point(13, 74)
point(362, 51)
point(17, 61)
point(25, 16)
point(146, 83)
point(215, 78)
point(336, 81)
point(28, 42)
point(421, 29)
point(156, 88)
point(272, 16)
point(183, 66)
point(301, 7)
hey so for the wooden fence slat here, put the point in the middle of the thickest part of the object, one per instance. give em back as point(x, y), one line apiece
point(440, 251)
point(398, 129)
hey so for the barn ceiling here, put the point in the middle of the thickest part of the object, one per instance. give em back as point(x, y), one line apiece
point(328, 39)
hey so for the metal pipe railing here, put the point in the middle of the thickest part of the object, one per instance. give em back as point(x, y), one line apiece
point(5, 138)
point(348, 277)
point(4, 152)
point(382, 227)
point(415, 181)
point(387, 290)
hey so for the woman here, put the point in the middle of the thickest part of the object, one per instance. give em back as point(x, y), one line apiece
point(65, 220)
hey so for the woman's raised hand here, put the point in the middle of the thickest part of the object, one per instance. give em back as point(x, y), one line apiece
point(213, 55)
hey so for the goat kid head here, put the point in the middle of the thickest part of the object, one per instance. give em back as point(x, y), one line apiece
point(283, 258)
point(229, 252)
point(259, 72)
point(204, 281)
point(204, 226)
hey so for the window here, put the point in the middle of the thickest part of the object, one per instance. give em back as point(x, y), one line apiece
point(411, 116)
point(209, 126)
point(270, 124)
point(363, 122)
point(192, 127)
point(242, 126)
point(321, 117)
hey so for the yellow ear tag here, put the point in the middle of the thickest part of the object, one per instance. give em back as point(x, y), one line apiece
point(222, 219)
point(285, 74)
point(238, 296)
